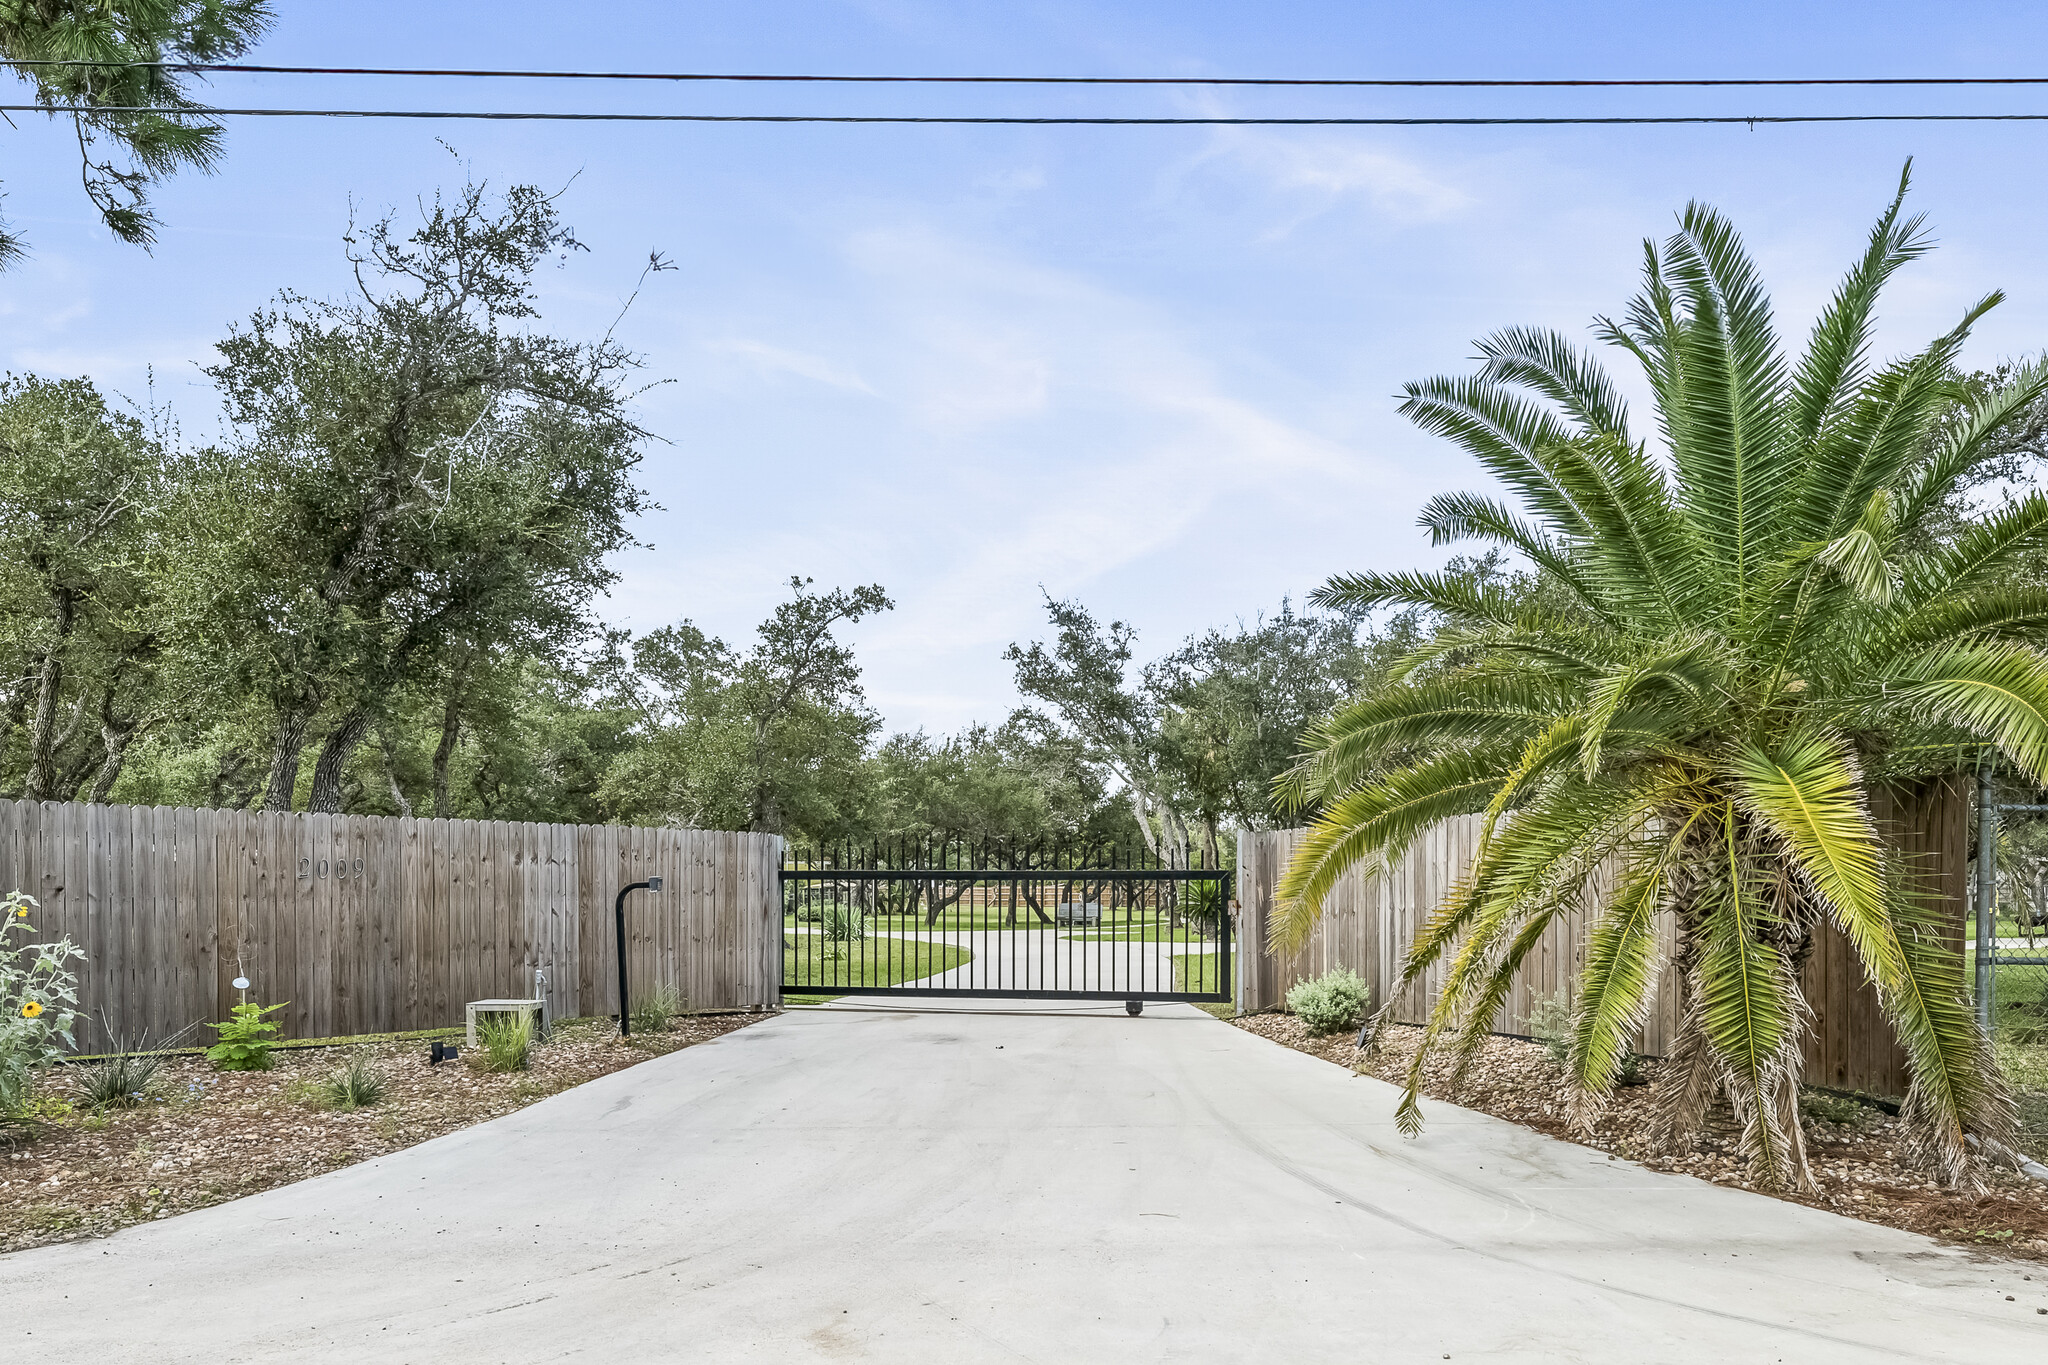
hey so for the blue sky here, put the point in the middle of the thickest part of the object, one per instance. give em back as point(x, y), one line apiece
point(1152, 368)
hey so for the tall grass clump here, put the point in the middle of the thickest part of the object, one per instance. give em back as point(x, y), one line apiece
point(507, 1041)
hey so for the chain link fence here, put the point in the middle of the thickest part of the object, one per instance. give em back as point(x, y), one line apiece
point(2006, 946)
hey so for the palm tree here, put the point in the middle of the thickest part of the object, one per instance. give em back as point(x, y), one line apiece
point(1735, 636)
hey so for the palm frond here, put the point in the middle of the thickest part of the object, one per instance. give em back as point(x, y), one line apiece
point(1505, 433)
point(1966, 445)
point(1982, 553)
point(1543, 360)
point(1371, 825)
point(1750, 1009)
point(1621, 956)
point(1453, 517)
point(2015, 614)
point(1996, 692)
point(1833, 365)
point(1861, 555)
point(1454, 596)
point(1726, 431)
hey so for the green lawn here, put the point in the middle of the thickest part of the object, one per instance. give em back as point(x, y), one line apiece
point(2026, 1067)
point(808, 966)
point(1195, 972)
point(2019, 992)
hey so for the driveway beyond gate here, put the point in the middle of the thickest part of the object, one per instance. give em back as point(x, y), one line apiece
point(1060, 1185)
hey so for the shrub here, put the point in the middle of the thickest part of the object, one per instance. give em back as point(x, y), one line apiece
point(121, 1081)
point(658, 1012)
point(38, 1005)
point(355, 1086)
point(1550, 1024)
point(1331, 1002)
point(1831, 1108)
point(507, 1041)
point(841, 925)
point(245, 1039)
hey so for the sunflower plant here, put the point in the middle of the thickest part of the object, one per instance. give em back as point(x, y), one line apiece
point(1740, 627)
point(38, 1004)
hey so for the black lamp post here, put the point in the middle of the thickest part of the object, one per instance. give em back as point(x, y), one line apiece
point(619, 917)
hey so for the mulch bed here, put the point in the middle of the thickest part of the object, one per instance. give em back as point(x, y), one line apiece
point(1853, 1147)
point(202, 1136)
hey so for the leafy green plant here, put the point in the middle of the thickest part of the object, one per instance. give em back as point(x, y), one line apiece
point(1837, 1109)
point(1731, 632)
point(507, 1041)
point(1331, 1002)
point(38, 1005)
point(658, 1011)
point(245, 1040)
point(1550, 1023)
point(355, 1086)
point(121, 1081)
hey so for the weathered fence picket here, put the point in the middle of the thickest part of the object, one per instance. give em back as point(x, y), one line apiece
point(369, 924)
point(1369, 921)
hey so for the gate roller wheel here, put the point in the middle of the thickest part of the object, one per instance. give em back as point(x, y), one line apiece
point(1134, 1007)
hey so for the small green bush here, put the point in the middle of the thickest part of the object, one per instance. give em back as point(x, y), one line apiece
point(1331, 1002)
point(356, 1086)
point(38, 1005)
point(1550, 1024)
point(507, 1041)
point(1828, 1108)
point(121, 1081)
point(841, 925)
point(658, 1012)
point(245, 1041)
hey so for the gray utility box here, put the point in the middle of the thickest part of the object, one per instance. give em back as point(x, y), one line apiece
point(1077, 912)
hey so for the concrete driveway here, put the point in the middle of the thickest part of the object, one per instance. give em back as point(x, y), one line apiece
point(1060, 1186)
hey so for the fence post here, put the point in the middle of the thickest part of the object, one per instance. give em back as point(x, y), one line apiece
point(1987, 891)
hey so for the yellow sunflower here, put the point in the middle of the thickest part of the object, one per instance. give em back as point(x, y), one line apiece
point(32, 1009)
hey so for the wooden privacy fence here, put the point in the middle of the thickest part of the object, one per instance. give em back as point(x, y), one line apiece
point(1368, 923)
point(369, 924)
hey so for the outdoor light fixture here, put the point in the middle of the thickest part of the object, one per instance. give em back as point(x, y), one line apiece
point(442, 1052)
point(619, 919)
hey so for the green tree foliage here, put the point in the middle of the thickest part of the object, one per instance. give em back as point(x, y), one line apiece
point(1007, 788)
point(81, 494)
point(93, 61)
point(1234, 704)
point(1195, 740)
point(1735, 641)
point(772, 739)
point(1090, 695)
point(420, 481)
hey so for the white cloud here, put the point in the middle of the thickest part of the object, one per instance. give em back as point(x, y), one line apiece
point(1316, 173)
point(766, 359)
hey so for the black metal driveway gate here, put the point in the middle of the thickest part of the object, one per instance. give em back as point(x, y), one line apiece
point(954, 919)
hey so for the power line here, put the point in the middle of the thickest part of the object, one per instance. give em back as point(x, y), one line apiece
point(202, 112)
point(239, 68)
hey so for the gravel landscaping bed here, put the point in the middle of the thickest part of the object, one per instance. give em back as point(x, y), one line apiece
point(202, 1136)
point(1853, 1146)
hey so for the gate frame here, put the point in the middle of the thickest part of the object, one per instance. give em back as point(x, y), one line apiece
point(1226, 878)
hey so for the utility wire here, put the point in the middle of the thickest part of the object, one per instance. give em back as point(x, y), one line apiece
point(203, 112)
point(1375, 82)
